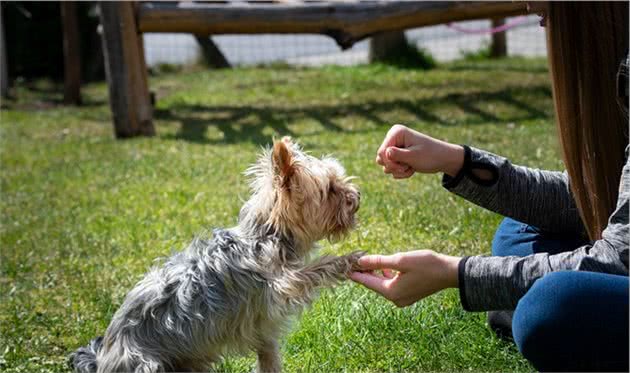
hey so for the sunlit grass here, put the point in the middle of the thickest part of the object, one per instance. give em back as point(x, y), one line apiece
point(84, 215)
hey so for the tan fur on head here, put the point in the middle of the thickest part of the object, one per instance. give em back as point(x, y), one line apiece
point(283, 161)
point(304, 197)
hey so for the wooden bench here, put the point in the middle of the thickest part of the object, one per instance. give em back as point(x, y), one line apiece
point(346, 22)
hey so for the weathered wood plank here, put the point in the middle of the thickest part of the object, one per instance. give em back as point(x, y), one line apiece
point(347, 23)
point(125, 70)
point(71, 53)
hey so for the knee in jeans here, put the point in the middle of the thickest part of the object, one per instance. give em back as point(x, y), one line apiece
point(540, 314)
point(513, 238)
point(504, 237)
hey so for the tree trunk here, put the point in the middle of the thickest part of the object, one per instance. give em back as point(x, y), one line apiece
point(385, 45)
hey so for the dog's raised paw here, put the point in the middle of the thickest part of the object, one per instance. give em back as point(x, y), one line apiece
point(353, 260)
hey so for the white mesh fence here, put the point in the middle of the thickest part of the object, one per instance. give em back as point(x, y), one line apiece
point(444, 43)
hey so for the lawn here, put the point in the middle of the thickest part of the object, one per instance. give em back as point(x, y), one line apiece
point(85, 215)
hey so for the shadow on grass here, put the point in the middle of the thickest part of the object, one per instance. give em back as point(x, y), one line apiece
point(34, 98)
point(248, 123)
point(43, 94)
point(520, 68)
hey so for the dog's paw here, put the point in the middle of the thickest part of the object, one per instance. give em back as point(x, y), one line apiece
point(353, 261)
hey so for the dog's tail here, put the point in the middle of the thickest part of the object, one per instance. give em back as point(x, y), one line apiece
point(84, 359)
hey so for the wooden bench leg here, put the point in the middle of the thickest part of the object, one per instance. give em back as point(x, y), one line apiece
point(125, 68)
point(498, 48)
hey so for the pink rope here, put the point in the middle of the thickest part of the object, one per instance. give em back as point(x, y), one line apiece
point(516, 22)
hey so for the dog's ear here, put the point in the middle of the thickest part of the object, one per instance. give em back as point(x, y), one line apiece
point(283, 160)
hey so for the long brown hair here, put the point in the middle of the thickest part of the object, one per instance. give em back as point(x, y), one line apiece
point(586, 41)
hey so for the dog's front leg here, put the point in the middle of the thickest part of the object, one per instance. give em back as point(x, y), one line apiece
point(269, 357)
point(297, 286)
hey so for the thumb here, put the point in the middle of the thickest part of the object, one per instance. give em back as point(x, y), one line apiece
point(398, 155)
point(370, 262)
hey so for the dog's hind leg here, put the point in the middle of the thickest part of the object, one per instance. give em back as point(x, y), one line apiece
point(269, 357)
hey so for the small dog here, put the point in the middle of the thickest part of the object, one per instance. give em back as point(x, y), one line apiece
point(234, 293)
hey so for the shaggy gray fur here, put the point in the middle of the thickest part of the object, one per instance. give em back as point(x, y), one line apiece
point(234, 292)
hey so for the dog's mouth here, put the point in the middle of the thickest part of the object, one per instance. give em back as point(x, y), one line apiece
point(345, 224)
point(346, 217)
point(353, 201)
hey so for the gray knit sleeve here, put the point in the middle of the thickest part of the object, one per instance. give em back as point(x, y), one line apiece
point(535, 197)
point(497, 283)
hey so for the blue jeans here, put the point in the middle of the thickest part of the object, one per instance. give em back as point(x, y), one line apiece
point(568, 320)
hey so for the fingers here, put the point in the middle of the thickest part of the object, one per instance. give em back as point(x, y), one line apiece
point(379, 160)
point(388, 141)
point(378, 274)
point(370, 281)
point(384, 274)
point(383, 161)
point(405, 174)
point(388, 273)
point(394, 137)
point(394, 168)
point(399, 155)
point(402, 172)
point(390, 166)
point(396, 161)
point(370, 262)
point(383, 286)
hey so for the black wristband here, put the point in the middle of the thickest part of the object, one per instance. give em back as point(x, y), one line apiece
point(450, 182)
point(461, 272)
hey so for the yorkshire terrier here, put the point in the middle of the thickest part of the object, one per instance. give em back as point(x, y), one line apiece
point(235, 292)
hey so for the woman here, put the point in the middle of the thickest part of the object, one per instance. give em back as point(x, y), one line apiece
point(558, 277)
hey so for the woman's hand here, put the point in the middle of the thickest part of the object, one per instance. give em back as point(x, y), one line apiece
point(408, 277)
point(405, 151)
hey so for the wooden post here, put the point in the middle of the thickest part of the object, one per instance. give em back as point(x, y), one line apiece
point(498, 48)
point(212, 55)
point(125, 68)
point(4, 73)
point(71, 53)
point(385, 45)
point(143, 67)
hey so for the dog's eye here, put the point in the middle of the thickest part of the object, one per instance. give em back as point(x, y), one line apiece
point(331, 189)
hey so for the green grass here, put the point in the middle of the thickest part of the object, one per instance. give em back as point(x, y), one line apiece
point(84, 215)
